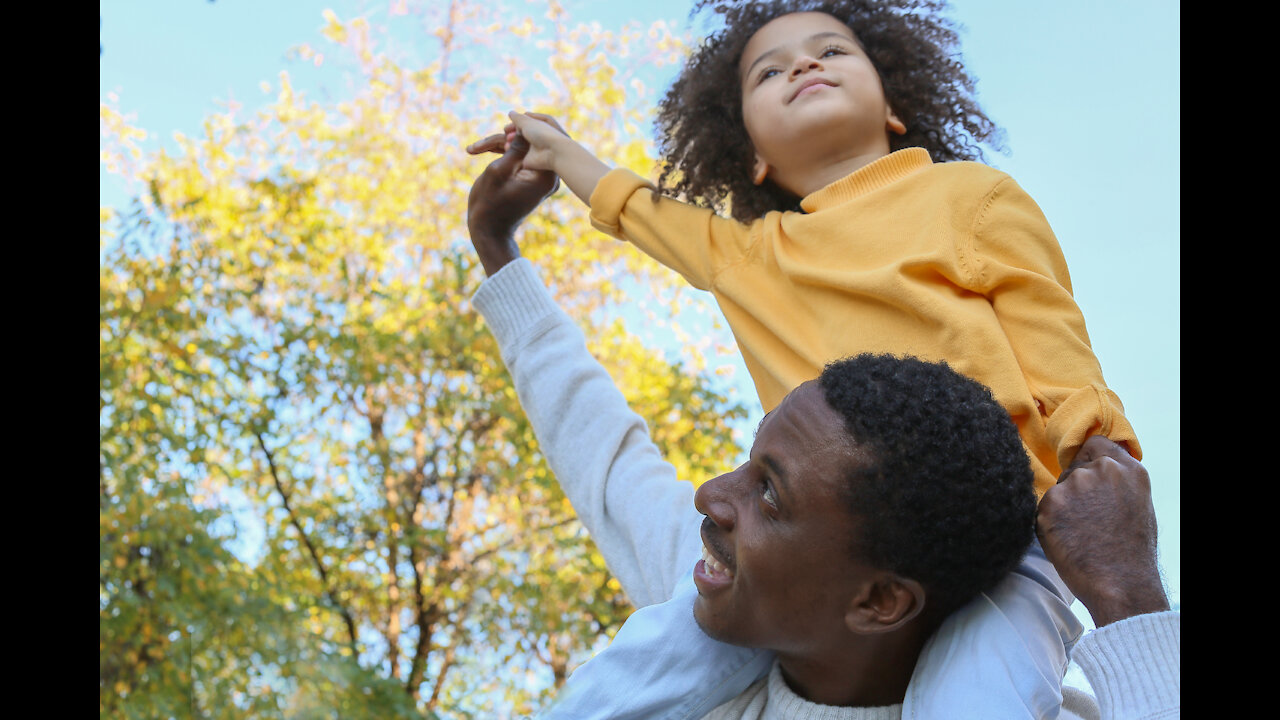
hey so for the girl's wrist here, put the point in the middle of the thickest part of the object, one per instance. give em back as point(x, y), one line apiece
point(566, 153)
point(578, 168)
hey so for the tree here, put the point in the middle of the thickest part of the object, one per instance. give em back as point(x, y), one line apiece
point(287, 353)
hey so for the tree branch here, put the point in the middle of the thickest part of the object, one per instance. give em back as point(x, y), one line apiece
point(311, 549)
point(447, 662)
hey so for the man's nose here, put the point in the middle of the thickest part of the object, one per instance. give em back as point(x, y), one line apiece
point(715, 499)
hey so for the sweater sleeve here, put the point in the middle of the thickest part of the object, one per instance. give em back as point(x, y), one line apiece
point(1016, 262)
point(640, 515)
point(693, 241)
point(1134, 666)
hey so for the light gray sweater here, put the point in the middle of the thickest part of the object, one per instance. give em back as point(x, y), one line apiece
point(642, 517)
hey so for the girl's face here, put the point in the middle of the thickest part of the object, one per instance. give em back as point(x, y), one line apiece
point(810, 94)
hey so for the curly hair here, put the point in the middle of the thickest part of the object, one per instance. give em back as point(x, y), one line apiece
point(947, 497)
point(706, 152)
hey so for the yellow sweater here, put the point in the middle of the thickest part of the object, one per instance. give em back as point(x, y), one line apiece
point(950, 261)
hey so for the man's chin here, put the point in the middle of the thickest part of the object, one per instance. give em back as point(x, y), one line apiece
point(712, 625)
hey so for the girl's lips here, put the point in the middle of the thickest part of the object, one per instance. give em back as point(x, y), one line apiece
point(811, 86)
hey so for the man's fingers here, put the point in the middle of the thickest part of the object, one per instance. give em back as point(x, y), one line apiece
point(519, 145)
point(1102, 446)
point(492, 143)
point(503, 169)
point(1093, 449)
point(510, 168)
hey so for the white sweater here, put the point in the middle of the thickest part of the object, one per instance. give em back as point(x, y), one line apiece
point(1133, 666)
point(642, 517)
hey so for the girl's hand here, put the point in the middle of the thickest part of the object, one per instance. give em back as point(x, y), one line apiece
point(542, 132)
point(545, 138)
point(550, 149)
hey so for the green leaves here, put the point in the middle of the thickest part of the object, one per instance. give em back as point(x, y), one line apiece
point(319, 495)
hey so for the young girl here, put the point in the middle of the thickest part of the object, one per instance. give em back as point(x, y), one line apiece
point(838, 136)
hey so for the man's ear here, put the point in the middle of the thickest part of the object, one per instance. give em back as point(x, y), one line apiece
point(894, 125)
point(885, 604)
point(759, 169)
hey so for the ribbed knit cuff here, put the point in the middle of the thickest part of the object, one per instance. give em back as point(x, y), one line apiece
point(610, 197)
point(513, 299)
point(1134, 665)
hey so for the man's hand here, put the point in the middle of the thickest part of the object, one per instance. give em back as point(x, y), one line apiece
point(550, 148)
point(544, 134)
point(504, 194)
point(546, 139)
point(1098, 528)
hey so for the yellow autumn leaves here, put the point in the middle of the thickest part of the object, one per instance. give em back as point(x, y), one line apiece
point(286, 336)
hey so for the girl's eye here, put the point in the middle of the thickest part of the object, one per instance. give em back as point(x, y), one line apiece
point(768, 74)
point(832, 51)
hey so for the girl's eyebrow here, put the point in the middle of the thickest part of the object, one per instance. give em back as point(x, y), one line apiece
point(811, 38)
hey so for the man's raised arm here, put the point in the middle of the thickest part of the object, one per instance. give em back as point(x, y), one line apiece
point(639, 514)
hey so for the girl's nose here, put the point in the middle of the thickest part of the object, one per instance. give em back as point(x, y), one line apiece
point(805, 63)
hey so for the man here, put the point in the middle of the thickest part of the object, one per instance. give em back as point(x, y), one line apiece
point(868, 512)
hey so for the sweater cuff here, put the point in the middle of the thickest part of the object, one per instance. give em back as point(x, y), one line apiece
point(611, 196)
point(1091, 410)
point(1134, 665)
point(513, 299)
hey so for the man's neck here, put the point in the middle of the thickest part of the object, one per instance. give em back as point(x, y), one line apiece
point(873, 673)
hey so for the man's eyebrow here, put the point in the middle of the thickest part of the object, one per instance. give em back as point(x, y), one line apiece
point(760, 424)
point(775, 469)
point(811, 38)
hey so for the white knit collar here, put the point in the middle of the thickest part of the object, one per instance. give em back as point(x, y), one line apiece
point(784, 704)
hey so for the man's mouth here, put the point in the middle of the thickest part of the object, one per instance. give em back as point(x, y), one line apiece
point(715, 568)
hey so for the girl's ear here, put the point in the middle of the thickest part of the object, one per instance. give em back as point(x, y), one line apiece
point(760, 170)
point(894, 125)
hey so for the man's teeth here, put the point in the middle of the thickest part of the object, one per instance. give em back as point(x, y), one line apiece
point(714, 567)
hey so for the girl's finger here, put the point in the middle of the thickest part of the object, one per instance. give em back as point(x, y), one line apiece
point(548, 120)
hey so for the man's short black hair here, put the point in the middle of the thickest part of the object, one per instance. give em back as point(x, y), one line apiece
point(947, 498)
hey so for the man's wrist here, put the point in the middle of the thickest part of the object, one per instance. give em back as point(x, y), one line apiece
point(1112, 607)
point(494, 250)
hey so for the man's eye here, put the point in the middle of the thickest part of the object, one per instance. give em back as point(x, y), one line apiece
point(766, 493)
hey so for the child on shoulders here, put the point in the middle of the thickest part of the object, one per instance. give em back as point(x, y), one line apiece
point(840, 139)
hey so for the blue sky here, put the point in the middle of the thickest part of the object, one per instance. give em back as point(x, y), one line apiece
point(1087, 91)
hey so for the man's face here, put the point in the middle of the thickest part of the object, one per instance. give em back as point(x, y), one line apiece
point(778, 534)
point(806, 83)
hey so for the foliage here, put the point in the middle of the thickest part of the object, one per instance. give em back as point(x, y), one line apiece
point(319, 496)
